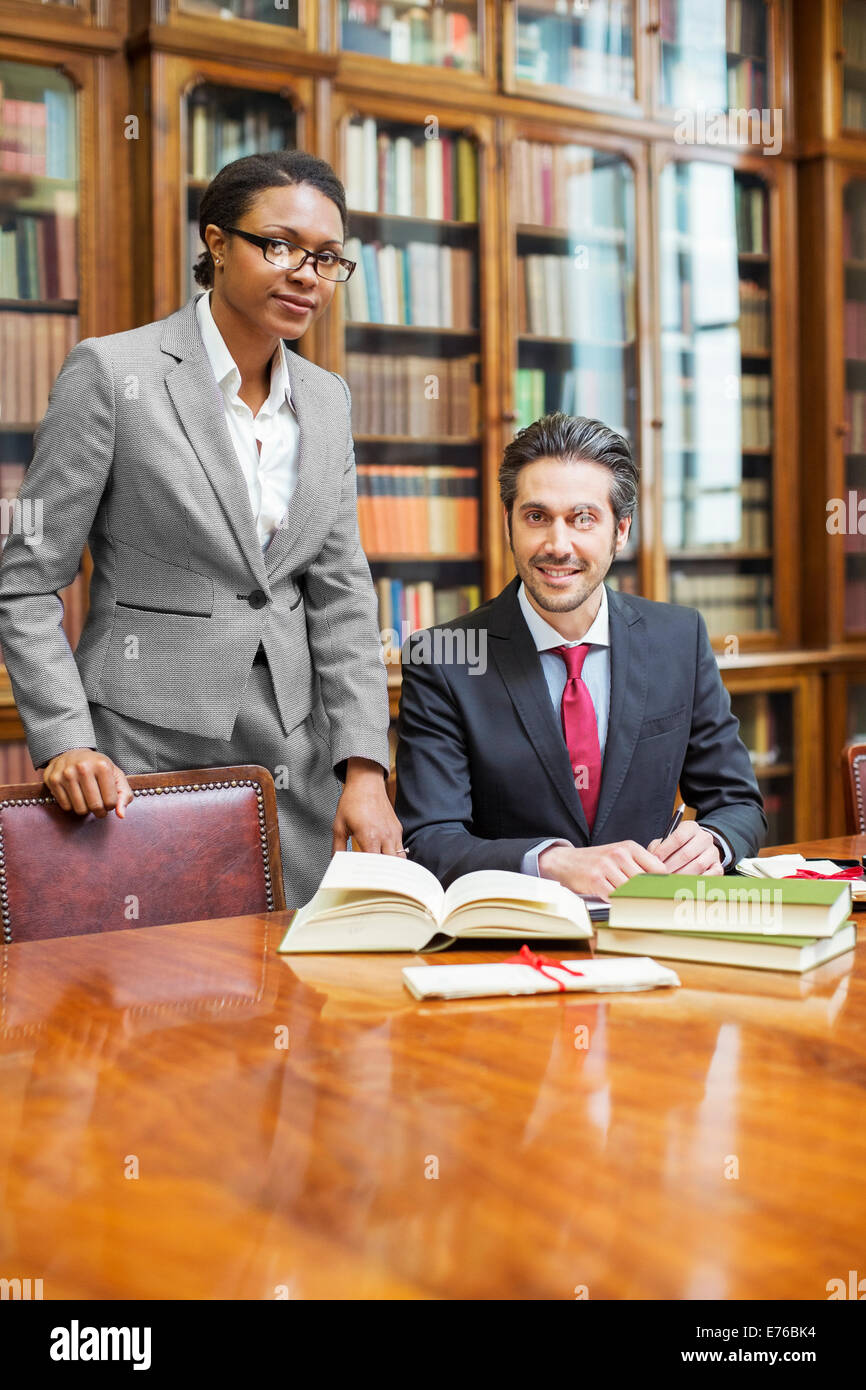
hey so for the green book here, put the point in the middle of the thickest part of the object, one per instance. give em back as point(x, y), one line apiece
point(794, 954)
point(726, 904)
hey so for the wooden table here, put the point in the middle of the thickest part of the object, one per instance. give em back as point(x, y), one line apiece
point(186, 1114)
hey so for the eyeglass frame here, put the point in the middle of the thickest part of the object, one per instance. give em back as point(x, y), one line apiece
point(262, 241)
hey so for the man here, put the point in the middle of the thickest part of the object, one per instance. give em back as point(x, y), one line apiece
point(561, 754)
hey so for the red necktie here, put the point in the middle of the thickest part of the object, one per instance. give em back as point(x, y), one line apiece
point(581, 730)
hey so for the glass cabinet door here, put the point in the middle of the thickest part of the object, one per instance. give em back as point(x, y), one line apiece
point(716, 358)
point(574, 227)
point(222, 124)
point(586, 46)
point(767, 729)
point(276, 12)
point(854, 66)
point(39, 279)
point(436, 34)
point(854, 492)
point(713, 54)
point(412, 360)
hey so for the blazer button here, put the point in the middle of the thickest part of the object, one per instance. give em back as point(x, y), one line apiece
point(257, 599)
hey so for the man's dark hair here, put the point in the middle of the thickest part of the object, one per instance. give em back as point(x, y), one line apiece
point(574, 439)
point(233, 190)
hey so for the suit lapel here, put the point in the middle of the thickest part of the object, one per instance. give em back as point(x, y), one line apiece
point(628, 688)
point(314, 469)
point(200, 408)
point(519, 665)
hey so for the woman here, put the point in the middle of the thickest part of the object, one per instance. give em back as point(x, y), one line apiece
point(232, 616)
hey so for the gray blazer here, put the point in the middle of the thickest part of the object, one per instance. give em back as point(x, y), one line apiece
point(134, 457)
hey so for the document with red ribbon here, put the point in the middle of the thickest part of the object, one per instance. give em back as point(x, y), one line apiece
point(528, 973)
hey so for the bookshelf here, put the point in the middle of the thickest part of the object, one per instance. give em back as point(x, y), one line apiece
point(716, 349)
point(579, 51)
point(39, 289)
point(430, 33)
point(570, 228)
point(713, 56)
point(413, 338)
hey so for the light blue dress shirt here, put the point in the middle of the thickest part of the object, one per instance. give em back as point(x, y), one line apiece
point(596, 677)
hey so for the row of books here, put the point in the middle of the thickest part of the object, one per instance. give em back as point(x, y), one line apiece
point(39, 254)
point(567, 186)
point(754, 317)
point(548, 53)
point(33, 347)
point(730, 603)
point(411, 174)
point(741, 27)
point(411, 509)
point(704, 514)
point(39, 137)
point(747, 85)
point(765, 733)
point(563, 297)
point(597, 392)
point(752, 218)
point(853, 109)
point(855, 419)
point(855, 329)
point(414, 606)
point(854, 224)
point(422, 283)
point(855, 600)
point(688, 426)
point(422, 397)
point(219, 135)
point(854, 35)
point(415, 35)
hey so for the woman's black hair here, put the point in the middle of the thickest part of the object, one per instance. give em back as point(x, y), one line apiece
point(231, 192)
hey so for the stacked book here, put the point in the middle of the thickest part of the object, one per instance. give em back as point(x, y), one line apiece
point(413, 509)
point(419, 173)
point(787, 924)
point(33, 347)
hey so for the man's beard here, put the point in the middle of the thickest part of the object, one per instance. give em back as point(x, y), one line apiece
point(552, 602)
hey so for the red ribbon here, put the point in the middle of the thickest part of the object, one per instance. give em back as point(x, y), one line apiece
point(527, 957)
point(843, 873)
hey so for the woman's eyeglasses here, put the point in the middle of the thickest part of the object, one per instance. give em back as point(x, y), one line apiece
point(288, 256)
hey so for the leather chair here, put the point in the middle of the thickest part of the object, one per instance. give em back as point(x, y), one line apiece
point(192, 845)
point(854, 786)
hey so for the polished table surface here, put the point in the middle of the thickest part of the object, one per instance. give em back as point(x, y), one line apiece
point(186, 1114)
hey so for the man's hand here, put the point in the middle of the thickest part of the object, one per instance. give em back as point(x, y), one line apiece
point(83, 780)
point(598, 869)
point(365, 813)
point(690, 850)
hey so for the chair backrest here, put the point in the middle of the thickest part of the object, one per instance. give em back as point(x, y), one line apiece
point(854, 786)
point(192, 845)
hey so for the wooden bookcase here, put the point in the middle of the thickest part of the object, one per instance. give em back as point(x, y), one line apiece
point(652, 202)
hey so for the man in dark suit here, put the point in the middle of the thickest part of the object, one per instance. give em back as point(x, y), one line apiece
point(547, 731)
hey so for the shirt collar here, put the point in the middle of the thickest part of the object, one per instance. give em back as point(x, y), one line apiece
point(544, 636)
point(225, 368)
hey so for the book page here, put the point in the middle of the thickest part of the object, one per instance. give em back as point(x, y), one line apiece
point(355, 872)
point(493, 886)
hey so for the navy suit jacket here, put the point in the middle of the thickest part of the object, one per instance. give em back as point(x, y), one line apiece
point(483, 772)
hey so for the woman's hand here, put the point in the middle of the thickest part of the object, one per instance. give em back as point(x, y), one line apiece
point(83, 780)
point(365, 813)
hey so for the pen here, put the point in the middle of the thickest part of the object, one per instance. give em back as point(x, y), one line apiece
point(675, 820)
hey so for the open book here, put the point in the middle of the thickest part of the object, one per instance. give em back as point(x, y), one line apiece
point(375, 902)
